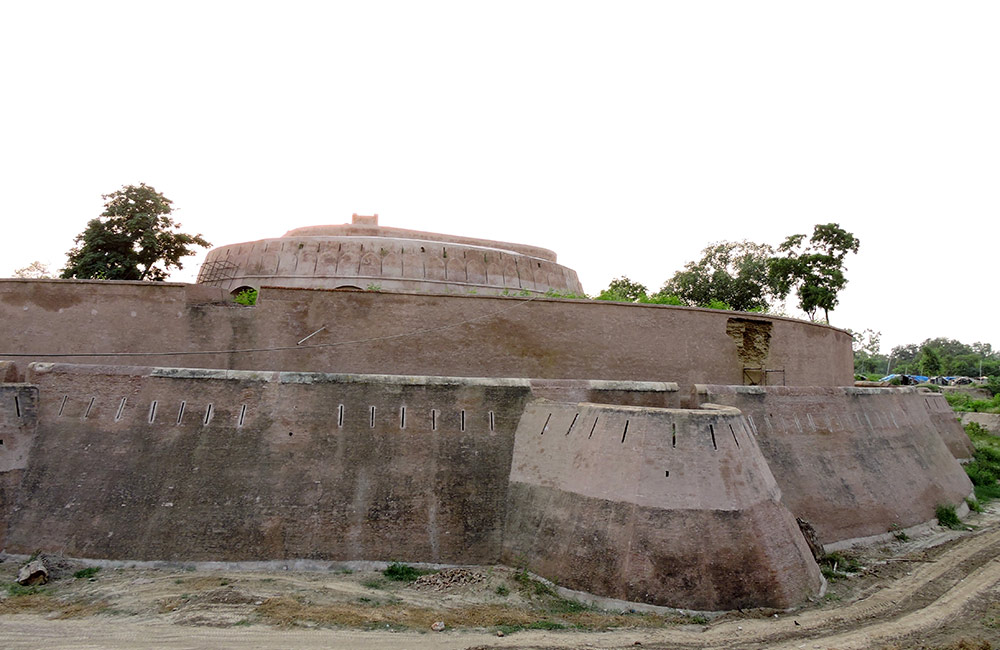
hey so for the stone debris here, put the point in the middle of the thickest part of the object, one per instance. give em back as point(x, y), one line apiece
point(33, 573)
point(438, 626)
point(448, 578)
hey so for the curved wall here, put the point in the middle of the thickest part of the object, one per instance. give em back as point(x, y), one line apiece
point(393, 259)
point(664, 506)
point(395, 333)
point(853, 462)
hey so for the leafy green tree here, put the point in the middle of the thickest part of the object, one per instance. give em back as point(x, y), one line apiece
point(867, 346)
point(814, 268)
point(733, 274)
point(133, 239)
point(624, 290)
point(930, 362)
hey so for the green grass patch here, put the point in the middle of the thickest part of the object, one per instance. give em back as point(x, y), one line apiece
point(14, 589)
point(374, 583)
point(837, 565)
point(89, 572)
point(403, 572)
point(947, 517)
point(984, 470)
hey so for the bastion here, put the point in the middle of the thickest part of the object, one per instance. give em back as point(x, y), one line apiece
point(401, 395)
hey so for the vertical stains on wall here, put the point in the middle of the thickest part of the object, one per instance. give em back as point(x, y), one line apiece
point(752, 338)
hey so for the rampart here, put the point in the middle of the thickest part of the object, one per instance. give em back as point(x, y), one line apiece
point(395, 333)
point(854, 462)
point(664, 506)
point(172, 464)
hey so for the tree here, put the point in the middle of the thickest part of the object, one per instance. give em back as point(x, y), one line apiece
point(730, 273)
point(813, 268)
point(930, 362)
point(133, 239)
point(624, 290)
point(36, 270)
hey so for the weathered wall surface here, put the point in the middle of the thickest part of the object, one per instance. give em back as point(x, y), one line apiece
point(662, 506)
point(18, 419)
point(178, 464)
point(853, 462)
point(946, 422)
point(393, 263)
point(389, 333)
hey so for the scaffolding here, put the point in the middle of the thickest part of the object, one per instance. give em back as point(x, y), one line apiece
point(217, 272)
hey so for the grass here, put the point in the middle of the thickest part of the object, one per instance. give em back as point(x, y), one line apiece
point(947, 517)
point(287, 611)
point(835, 566)
point(964, 402)
point(89, 572)
point(984, 470)
point(403, 572)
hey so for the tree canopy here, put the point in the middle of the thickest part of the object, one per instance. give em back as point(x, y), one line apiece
point(814, 268)
point(36, 270)
point(133, 239)
point(733, 273)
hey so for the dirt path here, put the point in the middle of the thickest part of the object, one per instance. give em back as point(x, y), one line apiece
point(931, 599)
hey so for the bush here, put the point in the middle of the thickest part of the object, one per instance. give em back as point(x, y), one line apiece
point(246, 297)
point(403, 572)
point(947, 517)
point(86, 573)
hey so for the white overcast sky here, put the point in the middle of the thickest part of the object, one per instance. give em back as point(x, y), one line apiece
point(626, 136)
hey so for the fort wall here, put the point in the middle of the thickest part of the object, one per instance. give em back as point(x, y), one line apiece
point(391, 263)
point(170, 464)
point(853, 462)
point(664, 506)
point(394, 333)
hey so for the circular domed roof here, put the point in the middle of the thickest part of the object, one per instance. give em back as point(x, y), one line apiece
point(363, 255)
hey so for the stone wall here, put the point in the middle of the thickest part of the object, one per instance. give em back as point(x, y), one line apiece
point(392, 333)
point(140, 463)
point(665, 506)
point(853, 462)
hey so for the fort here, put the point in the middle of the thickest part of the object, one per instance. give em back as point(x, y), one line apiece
point(400, 395)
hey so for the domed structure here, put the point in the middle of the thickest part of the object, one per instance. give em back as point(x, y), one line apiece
point(362, 255)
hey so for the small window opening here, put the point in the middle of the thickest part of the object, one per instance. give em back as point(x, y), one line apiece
point(371, 420)
point(17, 406)
point(152, 411)
point(572, 424)
point(243, 415)
point(62, 404)
point(734, 436)
point(434, 420)
point(712, 429)
point(402, 417)
point(673, 435)
point(492, 421)
point(340, 415)
point(463, 419)
point(625, 432)
point(545, 426)
point(86, 413)
point(208, 415)
point(180, 412)
point(593, 427)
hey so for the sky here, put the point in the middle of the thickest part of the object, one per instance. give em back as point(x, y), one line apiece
point(625, 136)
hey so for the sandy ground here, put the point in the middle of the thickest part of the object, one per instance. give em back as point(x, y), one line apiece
point(939, 591)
